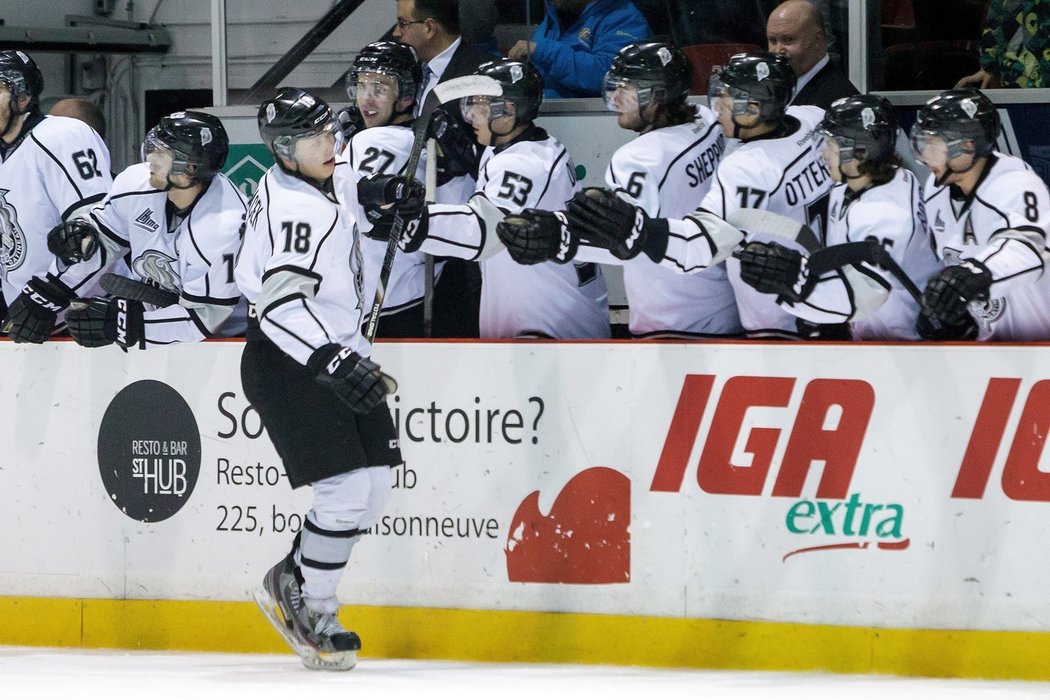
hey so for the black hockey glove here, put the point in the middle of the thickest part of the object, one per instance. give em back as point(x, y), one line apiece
point(383, 197)
point(536, 236)
point(72, 241)
point(102, 321)
point(604, 220)
point(356, 380)
point(770, 268)
point(33, 314)
point(949, 292)
point(459, 150)
point(348, 121)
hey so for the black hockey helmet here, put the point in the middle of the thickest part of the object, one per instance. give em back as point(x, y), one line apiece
point(22, 77)
point(660, 73)
point(290, 115)
point(864, 126)
point(958, 116)
point(195, 139)
point(387, 58)
point(522, 85)
point(760, 78)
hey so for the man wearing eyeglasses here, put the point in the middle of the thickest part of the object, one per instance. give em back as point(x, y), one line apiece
point(431, 27)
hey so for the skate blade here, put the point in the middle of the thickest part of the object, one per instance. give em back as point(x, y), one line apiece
point(311, 658)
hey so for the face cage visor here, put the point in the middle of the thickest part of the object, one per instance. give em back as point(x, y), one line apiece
point(941, 147)
point(368, 86)
point(15, 83)
point(623, 95)
point(155, 150)
point(481, 108)
point(285, 146)
point(717, 90)
point(843, 146)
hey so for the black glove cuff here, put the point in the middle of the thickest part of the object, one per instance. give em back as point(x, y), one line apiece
point(657, 234)
point(322, 356)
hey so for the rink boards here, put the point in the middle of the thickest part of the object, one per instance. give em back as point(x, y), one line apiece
point(854, 507)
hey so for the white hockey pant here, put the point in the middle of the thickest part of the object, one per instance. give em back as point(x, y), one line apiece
point(344, 507)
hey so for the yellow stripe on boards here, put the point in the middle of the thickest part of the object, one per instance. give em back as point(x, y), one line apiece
point(514, 636)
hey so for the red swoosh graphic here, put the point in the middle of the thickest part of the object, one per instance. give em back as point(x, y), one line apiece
point(893, 546)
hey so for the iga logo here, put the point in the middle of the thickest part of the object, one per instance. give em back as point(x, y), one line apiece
point(584, 539)
point(149, 451)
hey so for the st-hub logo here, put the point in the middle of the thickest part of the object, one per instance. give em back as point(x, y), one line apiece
point(149, 451)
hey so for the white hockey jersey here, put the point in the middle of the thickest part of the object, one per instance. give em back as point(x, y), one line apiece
point(667, 172)
point(191, 256)
point(1003, 224)
point(60, 168)
point(893, 215)
point(301, 265)
point(384, 150)
point(544, 300)
point(785, 175)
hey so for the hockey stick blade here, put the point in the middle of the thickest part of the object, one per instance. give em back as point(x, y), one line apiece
point(467, 86)
point(127, 288)
point(767, 222)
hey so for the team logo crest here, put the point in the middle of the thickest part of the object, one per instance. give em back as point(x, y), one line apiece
point(12, 240)
point(205, 136)
point(867, 117)
point(762, 71)
point(271, 112)
point(969, 107)
point(665, 55)
point(516, 74)
point(986, 313)
point(158, 268)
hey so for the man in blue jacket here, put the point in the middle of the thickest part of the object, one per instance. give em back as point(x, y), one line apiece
point(576, 41)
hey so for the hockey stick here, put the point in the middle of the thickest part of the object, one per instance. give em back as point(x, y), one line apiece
point(454, 89)
point(420, 128)
point(767, 222)
point(127, 288)
point(428, 261)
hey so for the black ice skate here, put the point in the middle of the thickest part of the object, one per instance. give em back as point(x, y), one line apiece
point(317, 637)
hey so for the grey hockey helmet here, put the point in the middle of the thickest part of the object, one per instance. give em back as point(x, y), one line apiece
point(864, 126)
point(659, 72)
point(21, 75)
point(290, 115)
point(760, 78)
point(387, 58)
point(197, 141)
point(522, 86)
point(958, 116)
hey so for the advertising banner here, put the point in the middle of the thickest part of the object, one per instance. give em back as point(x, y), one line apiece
point(844, 484)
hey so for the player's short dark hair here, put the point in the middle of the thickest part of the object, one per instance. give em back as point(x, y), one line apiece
point(444, 12)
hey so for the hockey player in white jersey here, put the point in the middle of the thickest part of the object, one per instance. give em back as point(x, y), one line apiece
point(989, 213)
point(52, 169)
point(306, 370)
point(522, 167)
point(878, 252)
point(382, 84)
point(666, 171)
point(777, 167)
point(178, 219)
